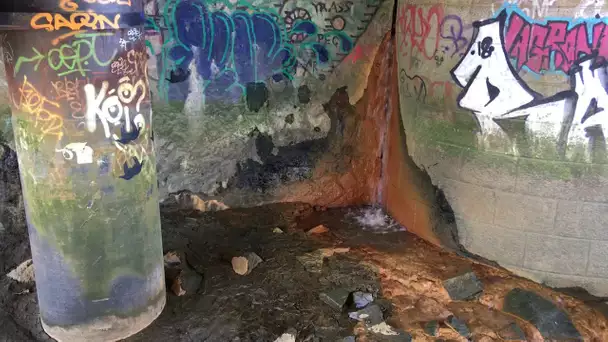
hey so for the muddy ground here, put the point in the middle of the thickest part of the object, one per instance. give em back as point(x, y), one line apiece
point(403, 273)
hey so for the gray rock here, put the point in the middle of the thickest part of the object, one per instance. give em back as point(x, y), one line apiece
point(463, 287)
point(336, 298)
point(349, 339)
point(551, 322)
point(371, 315)
point(460, 326)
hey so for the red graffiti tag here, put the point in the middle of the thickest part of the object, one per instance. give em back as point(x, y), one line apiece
point(420, 29)
point(537, 45)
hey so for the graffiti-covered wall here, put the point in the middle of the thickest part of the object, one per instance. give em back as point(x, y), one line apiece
point(504, 108)
point(241, 87)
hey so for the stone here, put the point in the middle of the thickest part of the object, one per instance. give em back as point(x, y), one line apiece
point(512, 332)
point(551, 322)
point(320, 229)
point(362, 299)
point(431, 328)
point(24, 273)
point(277, 230)
point(312, 262)
point(463, 287)
point(286, 338)
point(336, 299)
point(243, 265)
point(371, 315)
point(460, 326)
point(181, 279)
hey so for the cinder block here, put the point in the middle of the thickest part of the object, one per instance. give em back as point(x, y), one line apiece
point(595, 286)
point(598, 259)
point(489, 170)
point(470, 202)
point(594, 220)
point(556, 254)
point(494, 243)
point(553, 179)
point(524, 212)
point(594, 184)
point(582, 220)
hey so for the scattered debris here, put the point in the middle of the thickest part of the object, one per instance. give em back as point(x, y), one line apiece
point(243, 265)
point(551, 322)
point(337, 298)
point(182, 279)
point(312, 262)
point(190, 201)
point(286, 338)
point(383, 329)
point(431, 328)
point(463, 287)
point(328, 252)
point(371, 315)
point(362, 299)
point(320, 229)
point(459, 326)
point(277, 230)
point(24, 273)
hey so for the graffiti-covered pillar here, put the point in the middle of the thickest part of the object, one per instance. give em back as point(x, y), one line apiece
point(82, 123)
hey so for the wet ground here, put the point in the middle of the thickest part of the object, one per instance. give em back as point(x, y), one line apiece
point(283, 294)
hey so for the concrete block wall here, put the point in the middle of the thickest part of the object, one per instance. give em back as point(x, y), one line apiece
point(524, 171)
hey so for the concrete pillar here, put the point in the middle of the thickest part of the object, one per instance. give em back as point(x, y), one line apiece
point(82, 122)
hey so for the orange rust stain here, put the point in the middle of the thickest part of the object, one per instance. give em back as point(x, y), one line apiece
point(402, 196)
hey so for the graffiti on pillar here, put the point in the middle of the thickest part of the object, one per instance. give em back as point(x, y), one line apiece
point(229, 49)
point(494, 91)
point(96, 91)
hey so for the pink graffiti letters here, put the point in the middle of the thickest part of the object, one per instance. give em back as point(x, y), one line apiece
point(553, 45)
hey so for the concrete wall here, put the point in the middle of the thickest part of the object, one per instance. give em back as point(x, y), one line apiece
point(503, 107)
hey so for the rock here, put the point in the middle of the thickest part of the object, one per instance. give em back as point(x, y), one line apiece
point(362, 299)
point(328, 252)
point(463, 287)
point(277, 230)
point(459, 326)
point(320, 229)
point(313, 261)
point(243, 265)
point(431, 328)
point(512, 332)
point(371, 315)
point(24, 273)
point(286, 338)
point(386, 333)
point(336, 299)
point(349, 339)
point(551, 322)
point(181, 279)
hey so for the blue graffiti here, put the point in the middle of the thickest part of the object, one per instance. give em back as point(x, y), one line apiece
point(233, 51)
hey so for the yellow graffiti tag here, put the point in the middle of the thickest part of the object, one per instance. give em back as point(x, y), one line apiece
point(75, 22)
point(44, 111)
